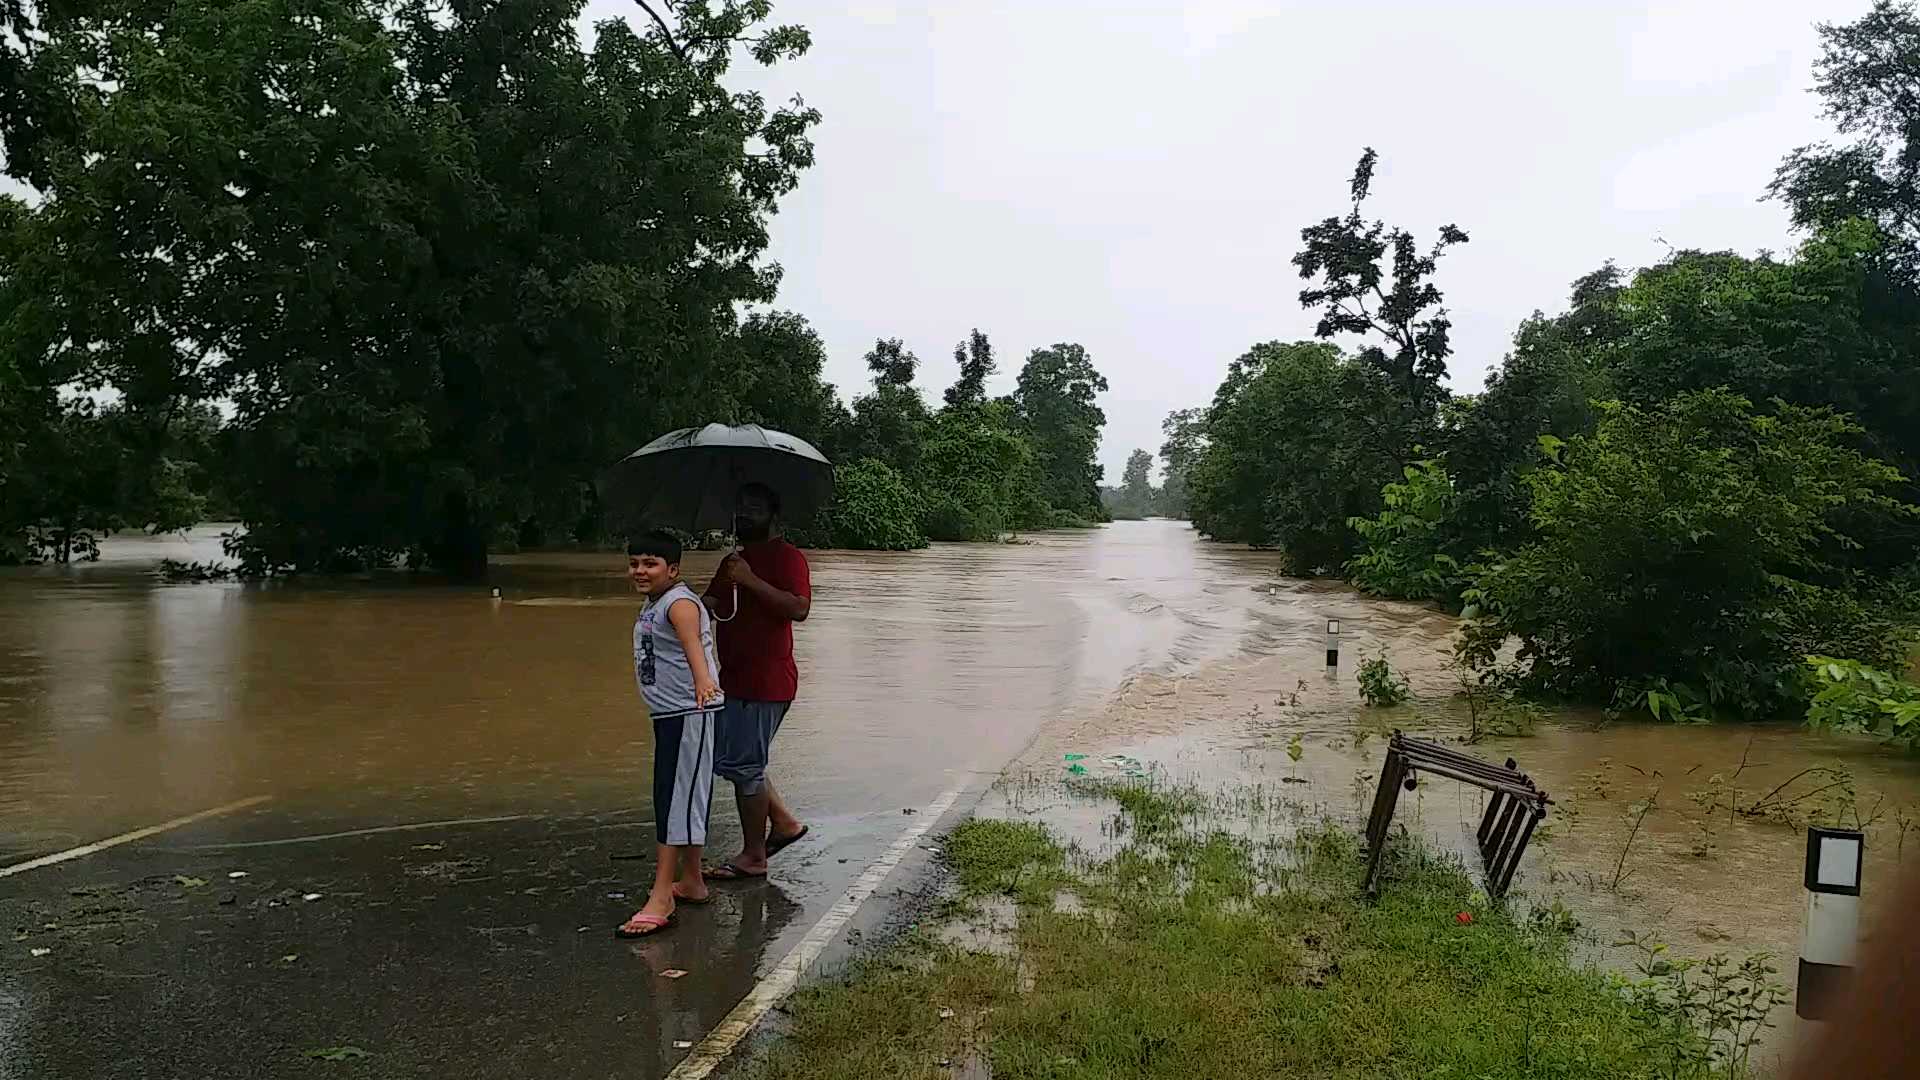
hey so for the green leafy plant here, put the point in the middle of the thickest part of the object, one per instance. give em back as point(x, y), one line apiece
point(1379, 683)
point(1847, 695)
point(874, 509)
point(1704, 1016)
point(1683, 543)
point(1405, 544)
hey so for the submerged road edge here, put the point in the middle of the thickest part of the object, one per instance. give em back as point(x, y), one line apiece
point(128, 837)
point(719, 1043)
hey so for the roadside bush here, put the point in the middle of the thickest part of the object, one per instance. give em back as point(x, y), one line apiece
point(973, 469)
point(1686, 543)
point(1406, 542)
point(874, 509)
point(1846, 695)
point(1379, 683)
point(1067, 519)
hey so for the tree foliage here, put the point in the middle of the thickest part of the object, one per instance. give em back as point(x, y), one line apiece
point(444, 261)
point(974, 358)
point(1185, 437)
point(1681, 542)
point(1297, 444)
point(1055, 407)
point(1343, 257)
point(975, 475)
point(1405, 551)
point(874, 508)
point(1136, 496)
point(1544, 386)
point(1868, 75)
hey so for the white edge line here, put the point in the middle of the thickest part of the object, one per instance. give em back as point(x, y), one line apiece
point(128, 837)
point(374, 831)
point(785, 976)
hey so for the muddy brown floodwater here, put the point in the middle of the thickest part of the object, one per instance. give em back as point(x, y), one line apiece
point(1714, 865)
point(124, 701)
point(363, 704)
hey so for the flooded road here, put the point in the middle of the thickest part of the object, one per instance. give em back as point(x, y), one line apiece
point(124, 701)
point(461, 780)
point(1692, 834)
point(459, 783)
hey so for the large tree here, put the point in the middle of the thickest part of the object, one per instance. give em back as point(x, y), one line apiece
point(1396, 306)
point(1544, 386)
point(888, 424)
point(1055, 402)
point(974, 358)
point(1184, 432)
point(1868, 76)
point(1297, 443)
point(444, 261)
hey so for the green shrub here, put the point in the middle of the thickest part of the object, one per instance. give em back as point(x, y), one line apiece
point(1686, 543)
point(1379, 683)
point(975, 477)
point(1846, 695)
point(1299, 441)
point(1406, 542)
point(874, 509)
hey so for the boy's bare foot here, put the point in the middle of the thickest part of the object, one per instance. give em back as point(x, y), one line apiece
point(689, 894)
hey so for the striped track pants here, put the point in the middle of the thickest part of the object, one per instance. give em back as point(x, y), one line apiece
point(682, 777)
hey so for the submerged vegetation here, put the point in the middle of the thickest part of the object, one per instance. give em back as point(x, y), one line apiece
point(1265, 960)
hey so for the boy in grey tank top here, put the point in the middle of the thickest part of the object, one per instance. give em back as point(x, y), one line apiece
point(674, 665)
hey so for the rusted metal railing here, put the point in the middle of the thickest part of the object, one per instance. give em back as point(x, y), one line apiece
point(1517, 806)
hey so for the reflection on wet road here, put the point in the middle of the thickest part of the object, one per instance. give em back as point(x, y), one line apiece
point(358, 706)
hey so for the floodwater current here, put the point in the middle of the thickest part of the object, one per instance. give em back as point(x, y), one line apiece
point(371, 702)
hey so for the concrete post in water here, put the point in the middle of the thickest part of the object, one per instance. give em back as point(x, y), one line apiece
point(1333, 644)
point(1834, 857)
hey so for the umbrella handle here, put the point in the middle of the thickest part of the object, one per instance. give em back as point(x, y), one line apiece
point(735, 609)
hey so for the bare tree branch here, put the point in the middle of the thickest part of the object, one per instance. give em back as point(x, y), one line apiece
point(665, 31)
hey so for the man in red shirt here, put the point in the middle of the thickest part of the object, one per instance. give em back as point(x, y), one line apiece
point(757, 673)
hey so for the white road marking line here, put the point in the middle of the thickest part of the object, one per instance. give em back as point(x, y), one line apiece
point(128, 837)
point(780, 982)
point(375, 831)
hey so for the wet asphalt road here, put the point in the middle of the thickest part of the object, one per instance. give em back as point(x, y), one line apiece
point(478, 950)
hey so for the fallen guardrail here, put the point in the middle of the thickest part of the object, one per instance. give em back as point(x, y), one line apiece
point(1516, 808)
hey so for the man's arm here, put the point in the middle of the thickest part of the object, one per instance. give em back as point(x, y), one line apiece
point(716, 593)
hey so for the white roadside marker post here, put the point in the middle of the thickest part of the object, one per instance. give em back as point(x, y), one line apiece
point(1333, 646)
point(1834, 858)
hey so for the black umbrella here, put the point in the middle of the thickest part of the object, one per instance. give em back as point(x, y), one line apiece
point(688, 478)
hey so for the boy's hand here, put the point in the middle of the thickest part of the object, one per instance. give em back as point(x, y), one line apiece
point(703, 689)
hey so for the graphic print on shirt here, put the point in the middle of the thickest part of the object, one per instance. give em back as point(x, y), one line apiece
point(646, 647)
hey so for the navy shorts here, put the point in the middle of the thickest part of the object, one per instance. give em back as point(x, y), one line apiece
point(743, 742)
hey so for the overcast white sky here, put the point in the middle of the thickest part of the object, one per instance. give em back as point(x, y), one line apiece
point(1134, 177)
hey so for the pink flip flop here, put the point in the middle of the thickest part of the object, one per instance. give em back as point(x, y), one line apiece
point(653, 924)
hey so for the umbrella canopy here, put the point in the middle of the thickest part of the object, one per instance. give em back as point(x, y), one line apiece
point(687, 479)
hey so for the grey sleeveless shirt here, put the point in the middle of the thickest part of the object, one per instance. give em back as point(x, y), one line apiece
point(660, 663)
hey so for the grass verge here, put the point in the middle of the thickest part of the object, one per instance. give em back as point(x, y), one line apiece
point(1194, 952)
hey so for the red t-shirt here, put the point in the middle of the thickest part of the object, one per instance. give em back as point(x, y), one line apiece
point(756, 645)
